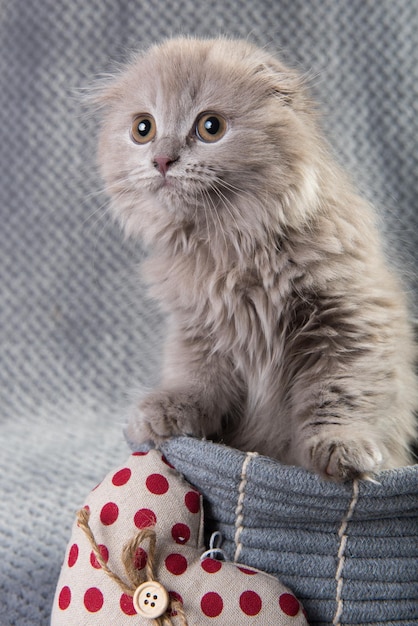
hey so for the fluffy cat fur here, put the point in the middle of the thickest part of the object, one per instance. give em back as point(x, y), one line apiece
point(288, 334)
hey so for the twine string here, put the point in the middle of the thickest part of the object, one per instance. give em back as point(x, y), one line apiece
point(135, 576)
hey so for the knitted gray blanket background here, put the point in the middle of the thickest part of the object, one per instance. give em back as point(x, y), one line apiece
point(77, 333)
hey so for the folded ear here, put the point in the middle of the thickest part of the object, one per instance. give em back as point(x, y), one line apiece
point(281, 81)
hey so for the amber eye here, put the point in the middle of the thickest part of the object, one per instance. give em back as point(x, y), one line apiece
point(143, 128)
point(210, 127)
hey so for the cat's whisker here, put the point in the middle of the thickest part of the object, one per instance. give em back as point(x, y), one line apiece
point(101, 211)
point(228, 205)
point(104, 222)
point(208, 228)
point(214, 216)
point(97, 193)
point(296, 319)
point(219, 220)
point(237, 191)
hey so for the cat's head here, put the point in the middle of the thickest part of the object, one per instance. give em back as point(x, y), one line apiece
point(209, 136)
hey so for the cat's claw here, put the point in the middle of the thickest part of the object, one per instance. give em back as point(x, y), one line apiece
point(163, 414)
point(342, 460)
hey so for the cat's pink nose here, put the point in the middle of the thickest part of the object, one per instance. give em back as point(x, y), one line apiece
point(162, 163)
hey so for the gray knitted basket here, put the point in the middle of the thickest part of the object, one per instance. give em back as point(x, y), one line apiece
point(349, 552)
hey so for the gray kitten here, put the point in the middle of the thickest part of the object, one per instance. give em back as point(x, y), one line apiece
point(288, 334)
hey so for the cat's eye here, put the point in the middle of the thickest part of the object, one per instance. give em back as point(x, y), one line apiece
point(210, 127)
point(143, 128)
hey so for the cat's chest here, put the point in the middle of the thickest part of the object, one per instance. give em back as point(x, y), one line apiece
point(238, 309)
point(237, 313)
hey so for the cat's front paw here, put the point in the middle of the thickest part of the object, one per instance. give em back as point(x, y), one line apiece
point(344, 459)
point(163, 414)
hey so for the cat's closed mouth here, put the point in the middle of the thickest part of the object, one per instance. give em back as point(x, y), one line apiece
point(288, 332)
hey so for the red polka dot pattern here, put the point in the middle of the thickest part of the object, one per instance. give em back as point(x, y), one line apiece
point(211, 566)
point(105, 556)
point(289, 605)
point(176, 564)
point(141, 558)
point(93, 599)
point(214, 592)
point(192, 501)
point(180, 533)
point(144, 518)
point(121, 477)
point(176, 597)
point(64, 598)
point(212, 604)
point(250, 603)
point(157, 484)
point(249, 572)
point(73, 555)
point(126, 604)
point(109, 513)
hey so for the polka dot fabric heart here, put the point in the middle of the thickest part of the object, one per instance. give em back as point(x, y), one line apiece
point(148, 492)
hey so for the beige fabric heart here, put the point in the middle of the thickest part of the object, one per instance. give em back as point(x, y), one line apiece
point(147, 506)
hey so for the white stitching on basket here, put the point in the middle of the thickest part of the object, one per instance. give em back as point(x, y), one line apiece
point(341, 552)
point(239, 516)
